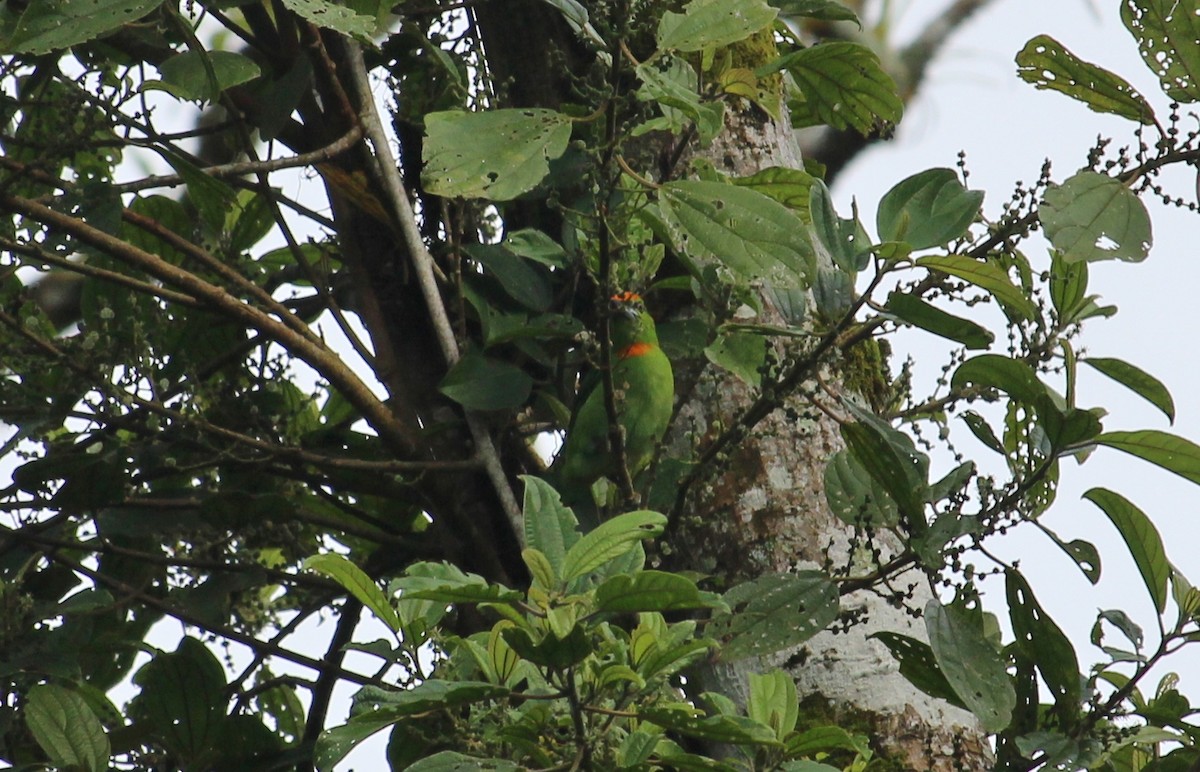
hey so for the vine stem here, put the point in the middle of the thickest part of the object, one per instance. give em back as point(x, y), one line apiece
point(423, 265)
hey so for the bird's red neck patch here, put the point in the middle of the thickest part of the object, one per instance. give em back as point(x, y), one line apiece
point(635, 350)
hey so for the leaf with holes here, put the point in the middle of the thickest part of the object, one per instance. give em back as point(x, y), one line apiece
point(773, 612)
point(495, 154)
point(1045, 63)
point(1044, 643)
point(47, 25)
point(712, 23)
point(842, 85)
point(1094, 217)
point(753, 237)
point(972, 666)
point(1166, 32)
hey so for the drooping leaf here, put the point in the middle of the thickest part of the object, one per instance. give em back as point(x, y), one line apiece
point(1045, 644)
point(1093, 217)
point(1084, 553)
point(986, 275)
point(357, 583)
point(928, 209)
point(919, 666)
point(688, 721)
point(494, 154)
point(982, 430)
point(971, 665)
point(712, 23)
point(1142, 539)
point(54, 24)
point(1175, 454)
point(576, 15)
point(1136, 380)
point(892, 460)
point(611, 539)
point(751, 236)
point(1166, 32)
point(827, 10)
point(66, 728)
point(918, 313)
point(182, 701)
point(841, 85)
point(478, 382)
point(525, 283)
point(773, 612)
point(1045, 63)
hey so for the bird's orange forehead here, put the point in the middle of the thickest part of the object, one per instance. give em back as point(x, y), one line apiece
point(626, 297)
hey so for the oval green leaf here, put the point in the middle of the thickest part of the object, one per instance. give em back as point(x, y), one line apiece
point(1094, 217)
point(480, 383)
point(66, 728)
point(609, 540)
point(972, 666)
point(1175, 454)
point(929, 209)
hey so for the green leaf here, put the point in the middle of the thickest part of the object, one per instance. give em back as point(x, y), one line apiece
point(357, 583)
point(1094, 217)
point(1142, 539)
point(917, 312)
point(478, 382)
point(495, 154)
point(651, 591)
point(892, 460)
point(789, 187)
point(841, 85)
point(971, 665)
point(329, 15)
point(1172, 453)
point(66, 728)
point(1166, 32)
point(986, 275)
point(688, 721)
point(549, 526)
point(182, 701)
point(452, 761)
point(929, 209)
point(213, 198)
point(712, 24)
point(753, 237)
point(1084, 553)
point(1136, 380)
point(773, 701)
point(773, 612)
point(919, 666)
point(855, 497)
point(611, 539)
point(1011, 376)
point(521, 281)
point(1045, 644)
point(185, 75)
point(825, 10)
point(741, 353)
point(822, 739)
point(1045, 63)
point(843, 240)
point(982, 430)
point(674, 85)
point(47, 25)
point(576, 15)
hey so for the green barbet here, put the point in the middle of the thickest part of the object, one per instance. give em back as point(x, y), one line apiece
point(644, 391)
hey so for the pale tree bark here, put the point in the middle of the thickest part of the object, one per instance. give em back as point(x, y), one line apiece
point(762, 509)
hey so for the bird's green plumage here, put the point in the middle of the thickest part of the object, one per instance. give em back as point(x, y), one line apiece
point(644, 391)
